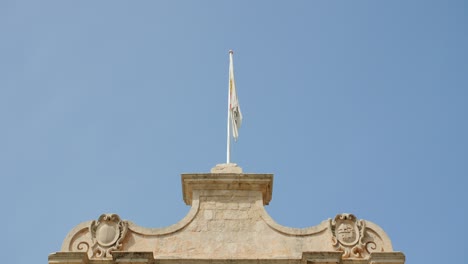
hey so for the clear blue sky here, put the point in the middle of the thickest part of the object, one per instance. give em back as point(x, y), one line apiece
point(355, 106)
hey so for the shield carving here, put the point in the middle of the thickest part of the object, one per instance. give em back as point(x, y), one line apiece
point(107, 233)
point(347, 232)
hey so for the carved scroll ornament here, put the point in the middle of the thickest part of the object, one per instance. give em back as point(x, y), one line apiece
point(107, 234)
point(350, 236)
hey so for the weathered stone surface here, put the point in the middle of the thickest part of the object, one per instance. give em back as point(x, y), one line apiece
point(226, 168)
point(228, 221)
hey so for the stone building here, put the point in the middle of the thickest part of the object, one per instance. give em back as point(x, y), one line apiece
point(227, 223)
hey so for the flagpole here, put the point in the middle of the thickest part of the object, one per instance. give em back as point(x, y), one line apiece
point(228, 154)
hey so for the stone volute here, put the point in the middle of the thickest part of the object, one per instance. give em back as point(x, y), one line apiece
point(227, 221)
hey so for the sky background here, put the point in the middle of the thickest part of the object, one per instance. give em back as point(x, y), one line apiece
point(355, 106)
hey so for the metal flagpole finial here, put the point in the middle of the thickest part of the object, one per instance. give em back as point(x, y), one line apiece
point(231, 51)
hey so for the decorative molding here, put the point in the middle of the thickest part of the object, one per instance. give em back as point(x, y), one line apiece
point(107, 234)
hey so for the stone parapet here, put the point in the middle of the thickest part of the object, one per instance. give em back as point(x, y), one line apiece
point(227, 221)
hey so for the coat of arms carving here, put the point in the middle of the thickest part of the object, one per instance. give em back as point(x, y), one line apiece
point(349, 236)
point(107, 234)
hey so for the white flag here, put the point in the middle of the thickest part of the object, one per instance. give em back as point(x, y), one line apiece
point(236, 115)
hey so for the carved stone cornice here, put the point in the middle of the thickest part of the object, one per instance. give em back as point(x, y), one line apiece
point(227, 181)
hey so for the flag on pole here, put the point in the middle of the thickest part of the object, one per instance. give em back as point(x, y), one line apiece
point(234, 108)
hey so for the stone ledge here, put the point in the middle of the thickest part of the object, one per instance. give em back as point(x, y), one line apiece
point(68, 258)
point(322, 257)
point(319, 257)
point(228, 261)
point(387, 258)
point(133, 257)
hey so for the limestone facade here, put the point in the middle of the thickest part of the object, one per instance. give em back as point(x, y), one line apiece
point(227, 222)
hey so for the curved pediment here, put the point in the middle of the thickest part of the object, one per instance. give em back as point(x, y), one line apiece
point(228, 220)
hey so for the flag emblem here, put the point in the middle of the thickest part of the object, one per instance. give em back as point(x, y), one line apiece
point(234, 108)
